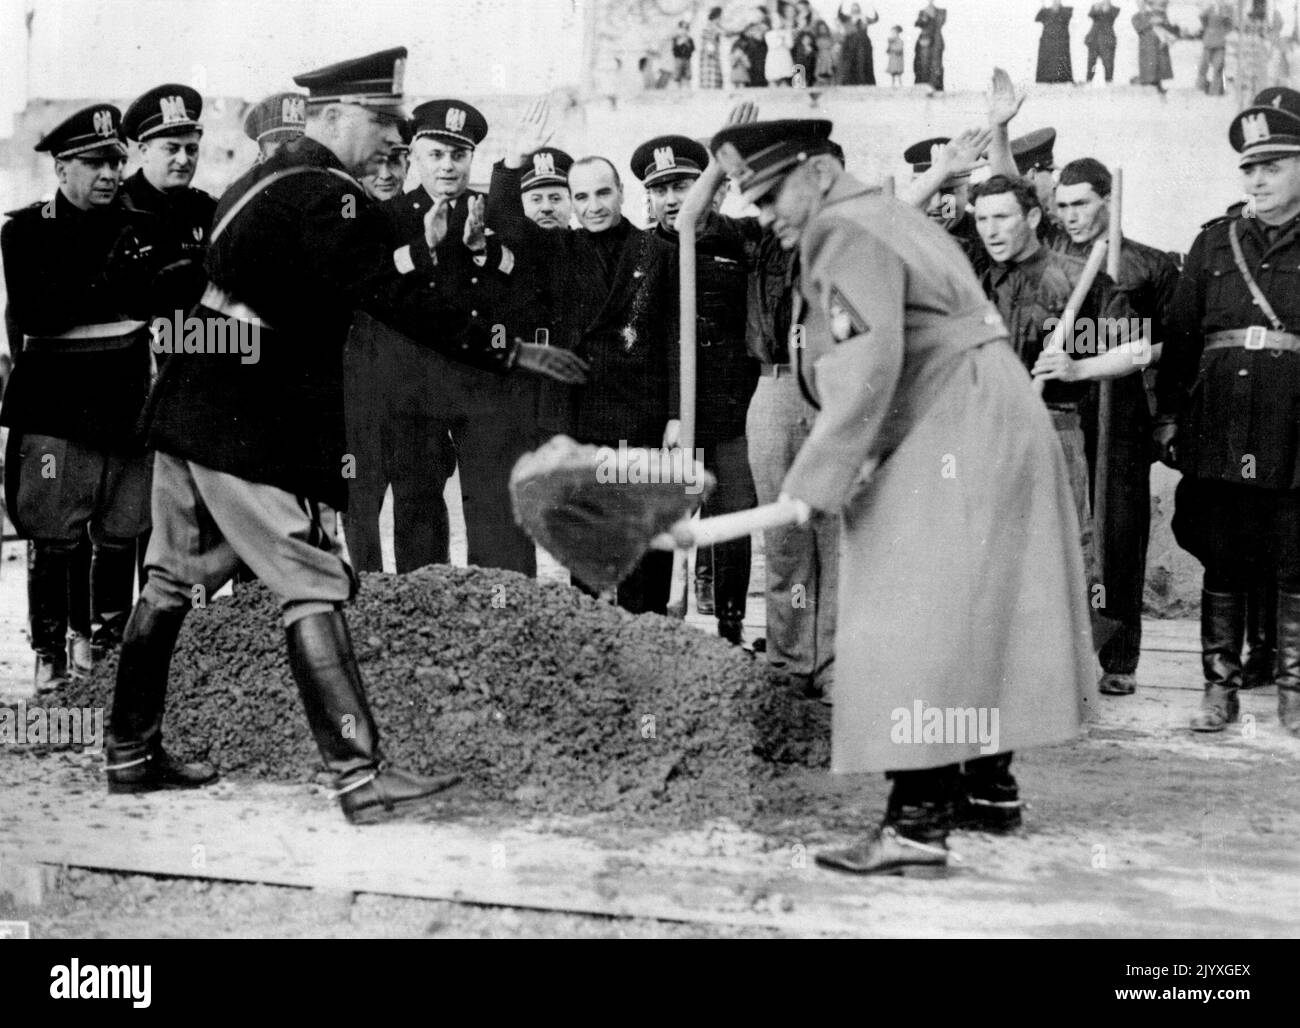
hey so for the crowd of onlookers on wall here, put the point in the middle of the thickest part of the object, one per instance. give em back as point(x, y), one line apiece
point(794, 45)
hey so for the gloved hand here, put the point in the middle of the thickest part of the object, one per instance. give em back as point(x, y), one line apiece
point(1164, 444)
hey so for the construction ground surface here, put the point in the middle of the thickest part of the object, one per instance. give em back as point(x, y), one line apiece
point(1139, 829)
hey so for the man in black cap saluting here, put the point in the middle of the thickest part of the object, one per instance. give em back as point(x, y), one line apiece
point(726, 249)
point(250, 459)
point(1227, 392)
point(930, 442)
point(76, 272)
point(277, 120)
point(545, 188)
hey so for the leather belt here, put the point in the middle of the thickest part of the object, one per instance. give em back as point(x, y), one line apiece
point(1257, 337)
point(776, 370)
point(113, 335)
point(223, 303)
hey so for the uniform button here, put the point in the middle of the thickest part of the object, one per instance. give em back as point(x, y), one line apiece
point(473, 314)
point(1243, 372)
point(1264, 265)
point(473, 281)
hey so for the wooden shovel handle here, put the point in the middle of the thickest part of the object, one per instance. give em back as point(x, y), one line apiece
point(1066, 324)
point(725, 527)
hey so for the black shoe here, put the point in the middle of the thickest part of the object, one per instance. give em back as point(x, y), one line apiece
point(387, 793)
point(989, 797)
point(885, 852)
point(51, 671)
point(1117, 685)
point(1223, 628)
point(329, 682)
point(130, 769)
point(733, 630)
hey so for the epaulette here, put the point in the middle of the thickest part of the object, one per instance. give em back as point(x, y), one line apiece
point(33, 206)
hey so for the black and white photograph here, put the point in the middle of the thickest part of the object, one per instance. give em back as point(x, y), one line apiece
point(651, 470)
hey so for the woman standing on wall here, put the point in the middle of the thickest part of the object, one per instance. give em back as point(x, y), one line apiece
point(928, 64)
point(1054, 44)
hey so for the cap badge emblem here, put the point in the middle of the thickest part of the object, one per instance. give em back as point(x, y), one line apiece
point(293, 111)
point(103, 121)
point(543, 164)
point(399, 72)
point(1254, 128)
point(664, 158)
point(173, 109)
point(455, 119)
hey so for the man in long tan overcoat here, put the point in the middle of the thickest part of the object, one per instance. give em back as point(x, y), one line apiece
point(964, 631)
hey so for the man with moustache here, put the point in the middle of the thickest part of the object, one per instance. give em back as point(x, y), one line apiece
point(907, 360)
point(1147, 277)
point(1227, 391)
point(613, 304)
point(726, 250)
point(77, 274)
point(249, 457)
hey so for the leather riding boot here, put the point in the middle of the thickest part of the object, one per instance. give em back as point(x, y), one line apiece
point(112, 587)
point(1261, 637)
point(704, 602)
point(47, 611)
point(1223, 627)
point(1288, 662)
point(137, 761)
point(913, 838)
point(990, 800)
point(329, 682)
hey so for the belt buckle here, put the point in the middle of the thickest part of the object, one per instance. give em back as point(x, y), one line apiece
point(1256, 337)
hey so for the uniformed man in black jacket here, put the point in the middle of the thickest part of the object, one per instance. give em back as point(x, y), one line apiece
point(1228, 392)
point(1147, 277)
point(726, 248)
point(450, 413)
point(75, 270)
point(613, 303)
point(250, 459)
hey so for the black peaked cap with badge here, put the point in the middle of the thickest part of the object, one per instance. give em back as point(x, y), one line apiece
point(373, 81)
point(1268, 128)
point(760, 154)
point(452, 121)
point(548, 166)
point(90, 129)
point(919, 157)
point(1033, 150)
point(171, 109)
point(666, 158)
point(280, 116)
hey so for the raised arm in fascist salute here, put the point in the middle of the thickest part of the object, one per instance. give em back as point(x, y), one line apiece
point(250, 461)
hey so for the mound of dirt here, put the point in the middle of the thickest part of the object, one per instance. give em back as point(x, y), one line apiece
point(540, 696)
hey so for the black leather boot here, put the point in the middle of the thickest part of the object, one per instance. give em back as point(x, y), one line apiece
point(1261, 637)
point(990, 799)
point(136, 760)
point(112, 588)
point(1288, 662)
point(704, 580)
point(1223, 627)
point(47, 611)
point(329, 682)
point(913, 838)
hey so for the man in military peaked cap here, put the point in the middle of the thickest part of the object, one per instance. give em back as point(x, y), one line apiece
point(278, 119)
point(726, 250)
point(910, 366)
point(250, 458)
point(75, 270)
point(1227, 389)
point(544, 188)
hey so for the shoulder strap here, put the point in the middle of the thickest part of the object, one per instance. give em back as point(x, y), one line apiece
point(1260, 299)
point(262, 184)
